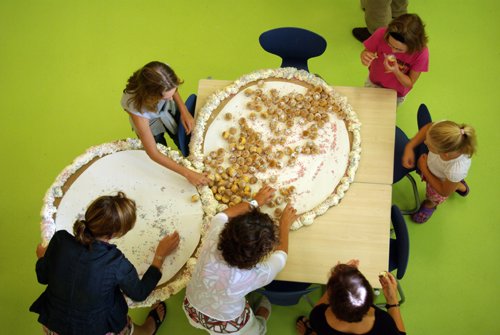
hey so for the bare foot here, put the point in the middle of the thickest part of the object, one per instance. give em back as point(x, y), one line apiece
point(262, 311)
point(150, 322)
point(429, 204)
point(461, 187)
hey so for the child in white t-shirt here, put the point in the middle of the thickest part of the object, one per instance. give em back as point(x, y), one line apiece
point(445, 167)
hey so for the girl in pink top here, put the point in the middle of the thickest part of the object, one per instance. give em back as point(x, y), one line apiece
point(396, 55)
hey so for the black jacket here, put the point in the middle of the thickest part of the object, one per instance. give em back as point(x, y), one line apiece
point(84, 287)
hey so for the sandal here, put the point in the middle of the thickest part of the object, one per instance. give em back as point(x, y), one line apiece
point(307, 325)
point(463, 193)
point(423, 214)
point(154, 314)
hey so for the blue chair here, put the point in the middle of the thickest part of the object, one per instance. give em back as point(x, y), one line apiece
point(294, 45)
point(399, 250)
point(183, 138)
point(399, 171)
point(286, 293)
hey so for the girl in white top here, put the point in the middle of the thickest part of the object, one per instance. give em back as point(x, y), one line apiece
point(151, 99)
point(444, 169)
point(243, 250)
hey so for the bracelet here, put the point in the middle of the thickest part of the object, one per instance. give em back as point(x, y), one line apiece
point(159, 258)
point(387, 306)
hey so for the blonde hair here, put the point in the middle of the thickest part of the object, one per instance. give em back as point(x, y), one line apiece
point(107, 216)
point(147, 84)
point(448, 136)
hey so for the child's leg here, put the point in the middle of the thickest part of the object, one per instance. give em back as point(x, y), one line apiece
point(429, 205)
point(153, 321)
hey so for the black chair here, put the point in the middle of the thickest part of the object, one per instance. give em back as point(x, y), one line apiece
point(287, 293)
point(294, 45)
point(183, 138)
point(399, 171)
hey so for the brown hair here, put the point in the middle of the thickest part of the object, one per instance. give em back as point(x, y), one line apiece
point(107, 216)
point(147, 84)
point(411, 29)
point(350, 295)
point(448, 136)
point(246, 239)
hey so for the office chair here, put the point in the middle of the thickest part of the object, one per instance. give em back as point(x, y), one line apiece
point(286, 293)
point(183, 138)
point(294, 45)
point(399, 249)
point(399, 171)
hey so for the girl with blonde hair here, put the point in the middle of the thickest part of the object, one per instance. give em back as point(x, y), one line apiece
point(451, 146)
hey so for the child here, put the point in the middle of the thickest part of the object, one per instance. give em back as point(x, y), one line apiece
point(347, 306)
point(154, 106)
point(243, 251)
point(86, 276)
point(396, 55)
point(445, 167)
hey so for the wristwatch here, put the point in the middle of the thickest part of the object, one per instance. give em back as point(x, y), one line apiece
point(253, 204)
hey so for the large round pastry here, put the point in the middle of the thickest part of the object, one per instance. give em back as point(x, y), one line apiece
point(283, 127)
point(163, 199)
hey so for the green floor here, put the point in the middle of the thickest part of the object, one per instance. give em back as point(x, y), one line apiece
point(63, 65)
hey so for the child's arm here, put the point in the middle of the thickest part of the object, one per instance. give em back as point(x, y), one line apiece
point(444, 187)
point(408, 159)
point(405, 80)
point(262, 197)
point(146, 136)
point(186, 117)
point(287, 218)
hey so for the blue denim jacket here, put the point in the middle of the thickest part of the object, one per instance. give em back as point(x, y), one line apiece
point(85, 287)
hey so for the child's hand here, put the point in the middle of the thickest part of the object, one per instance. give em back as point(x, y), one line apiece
point(289, 216)
point(367, 57)
point(40, 250)
point(390, 64)
point(422, 162)
point(197, 179)
point(408, 159)
point(389, 287)
point(353, 262)
point(264, 195)
point(188, 122)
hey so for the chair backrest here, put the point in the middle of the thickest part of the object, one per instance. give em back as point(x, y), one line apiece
point(182, 137)
point(399, 248)
point(294, 45)
point(285, 298)
point(399, 171)
point(285, 293)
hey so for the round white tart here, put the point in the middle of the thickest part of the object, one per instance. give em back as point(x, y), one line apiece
point(282, 127)
point(163, 199)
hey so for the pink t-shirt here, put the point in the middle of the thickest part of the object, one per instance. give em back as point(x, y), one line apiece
point(417, 61)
